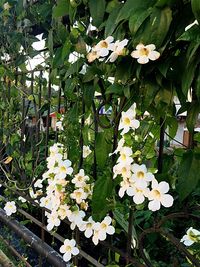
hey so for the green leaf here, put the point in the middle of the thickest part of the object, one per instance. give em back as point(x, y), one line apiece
point(155, 28)
point(193, 34)
point(162, 3)
point(75, 67)
point(197, 84)
point(172, 124)
point(116, 89)
point(119, 217)
point(188, 174)
point(103, 147)
point(97, 10)
point(103, 188)
point(50, 41)
point(110, 26)
point(192, 115)
point(130, 7)
point(57, 60)
point(66, 49)
point(61, 9)
point(137, 19)
point(88, 94)
point(196, 9)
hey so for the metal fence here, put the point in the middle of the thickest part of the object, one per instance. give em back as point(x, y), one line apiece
point(35, 132)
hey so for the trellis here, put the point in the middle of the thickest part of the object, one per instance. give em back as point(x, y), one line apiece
point(36, 137)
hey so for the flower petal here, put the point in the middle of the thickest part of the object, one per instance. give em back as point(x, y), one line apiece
point(167, 200)
point(75, 251)
point(143, 60)
point(138, 198)
point(151, 47)
point(110, 230)
point(67, 256)
point(109, 39)
point(135, 54)
point(154, 205)
point(140, 46)
point(153, 55)
point(163, 187)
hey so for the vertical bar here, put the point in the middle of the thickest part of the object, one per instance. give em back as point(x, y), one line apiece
point(129, 238)
point(32, 134)
point(48, 115)
point(58, 109)
point(161, 145)
point(81, 133)
point(23, 120)
point(95, 137)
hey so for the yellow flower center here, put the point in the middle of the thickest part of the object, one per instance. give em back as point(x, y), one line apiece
point(156, 194)
point(140, 175)
point(139, 190)
point(78, 194)
point(123, 156)
point(79, 178)
point(127, 121)
point(144, 52)
point(104, 44)
point(124, 170)
point(68, 248)
point(103, 226)
point(62, 169)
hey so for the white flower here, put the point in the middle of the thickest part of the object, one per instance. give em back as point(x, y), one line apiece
point(124, 185)
point(52, 160)
point(120, 145)
point(23, 200)
point(118, 49)
point(192, 236)
point(145, 53)
point(101, 229)
point(52, 221)
point(38, 183)
point(79, 195)
point(141, 176)
point(80, 179)
point(158, 196)
point(69, 248)
point(10, 208)
point(64, 168)
point(76, 218)
point(123, 169)
point(104, 46)
point(86, 151)
point(64, 211)
point(128, 121)
point(92, 55)
point(87, 227)
point(125, 155)
point(138, 193)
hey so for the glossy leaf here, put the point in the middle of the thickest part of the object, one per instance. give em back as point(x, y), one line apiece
point(102, 191)
point(97, 10)
point(188, 174)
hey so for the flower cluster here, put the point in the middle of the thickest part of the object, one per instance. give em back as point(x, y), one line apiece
point(104, 47)
point(137, 181)
point(101, 50)
point(68, 196)
point(192, 236)
point(10, 208)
